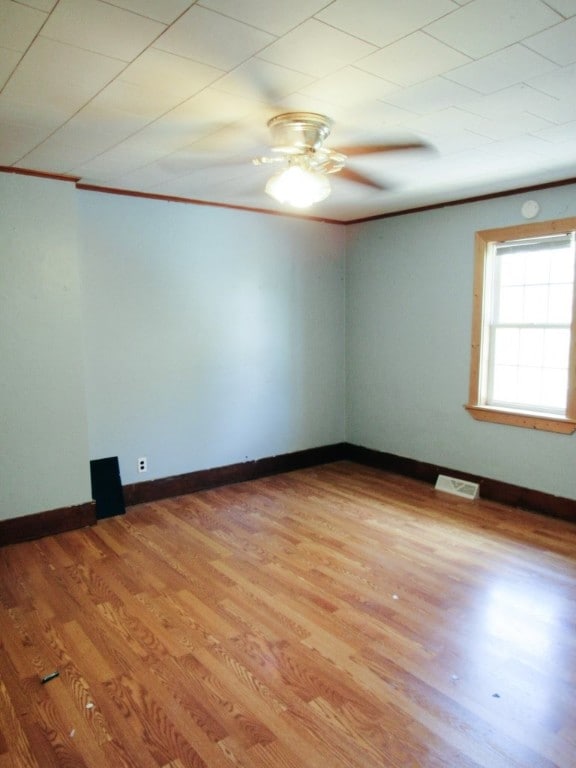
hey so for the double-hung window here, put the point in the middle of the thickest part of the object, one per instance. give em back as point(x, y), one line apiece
point(523, 366)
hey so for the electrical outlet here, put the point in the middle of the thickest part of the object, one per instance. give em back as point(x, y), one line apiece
point(143, 464)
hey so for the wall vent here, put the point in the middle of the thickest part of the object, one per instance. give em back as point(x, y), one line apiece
point(463, 488)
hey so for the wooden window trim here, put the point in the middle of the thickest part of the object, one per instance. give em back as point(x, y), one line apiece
point(547, 422)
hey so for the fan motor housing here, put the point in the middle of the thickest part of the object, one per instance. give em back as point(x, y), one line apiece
point(298, 132)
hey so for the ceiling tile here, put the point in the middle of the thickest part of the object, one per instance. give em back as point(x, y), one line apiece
point(561, 110)
point(8, 61)
point(349, 86)
point(512, 125)
point(516, 98)
point(379, 113)
point(560, 133)
point(59, 79)
point(19, 25)
point(565, 7)
point(316, 49)
point(56, 156)
point(501, 69)
point(18, 110)
point(557, 43)
point(160, 71)
point(451, 119)
point(165, 11)
point(101, 28)
point(274, 17)
point(17, 139)
point(111, 164)
point(262, 80)
point(527, 145)
point(213, 39)
point(450, 142)
point(42, 5)
point(413, 59)
point(96, 128)
point(207, 112)
point(485, 26)
point(431, 96)
point(135, 99)
point(384, 21)
point(561, 83)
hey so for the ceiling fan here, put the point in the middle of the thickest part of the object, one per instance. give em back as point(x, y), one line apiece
point(298, 142)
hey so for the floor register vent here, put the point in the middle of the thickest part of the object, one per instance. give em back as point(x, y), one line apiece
point(463, 488)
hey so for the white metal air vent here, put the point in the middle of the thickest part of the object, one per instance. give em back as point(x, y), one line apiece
point(463, 488)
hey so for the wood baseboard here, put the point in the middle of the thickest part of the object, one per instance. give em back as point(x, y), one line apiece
point(47, 523)
point(179, 485)
point(68, 518)
point(494, 490)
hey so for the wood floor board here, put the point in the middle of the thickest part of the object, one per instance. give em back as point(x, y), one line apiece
point(332, 617)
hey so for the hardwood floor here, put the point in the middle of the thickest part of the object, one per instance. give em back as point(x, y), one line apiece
point(335, 617)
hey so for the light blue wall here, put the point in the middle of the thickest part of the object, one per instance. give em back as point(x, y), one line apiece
point(409, 308)
point(213, 336)
point(200, 337)
point(44, 456)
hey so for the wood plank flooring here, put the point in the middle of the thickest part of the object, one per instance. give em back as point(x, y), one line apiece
point(334, 617)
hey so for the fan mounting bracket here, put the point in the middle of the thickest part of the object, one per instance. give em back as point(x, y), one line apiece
point(296, 133)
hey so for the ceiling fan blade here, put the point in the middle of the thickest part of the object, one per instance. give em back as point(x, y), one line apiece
point(359, 178)
point(367, 149)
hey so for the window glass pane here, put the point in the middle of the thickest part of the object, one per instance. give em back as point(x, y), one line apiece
point(531, 343)
point(506, 344)
point(562, 267)
point(504, 384)
point(529, 386)
point(535, 304)
point(560, 304)
point(554, 389)
point(556, 347)
point(510, 305)
point(511, 269)
point(537, 268)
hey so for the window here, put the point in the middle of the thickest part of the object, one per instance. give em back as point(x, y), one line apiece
point(523, 366)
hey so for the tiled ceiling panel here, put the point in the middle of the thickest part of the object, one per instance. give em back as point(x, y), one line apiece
point(383, 21)
point(434, 95)
point(436, 100)
point(566, 7)
point(158, 71)
point(350, 86)
point(42, 5)
point(316, 49)
point(213, 39)
point(499, 70)
point(19, 25)
point(165, 11)
point(101, 28)
point(274, 17)
point(557, 43)
point(58, 78)
point(485, 26)
point(413, 59)
point(262, 80)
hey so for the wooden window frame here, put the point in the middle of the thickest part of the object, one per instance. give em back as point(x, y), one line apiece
point(565, 424)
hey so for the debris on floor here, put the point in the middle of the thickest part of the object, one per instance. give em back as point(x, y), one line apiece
point(51, 676)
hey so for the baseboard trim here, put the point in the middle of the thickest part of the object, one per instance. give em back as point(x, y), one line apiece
point(69, 518)
point(41, 524)
point(493, 490)
point(179, 485)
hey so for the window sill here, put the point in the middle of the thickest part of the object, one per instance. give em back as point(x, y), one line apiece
point(559, 424)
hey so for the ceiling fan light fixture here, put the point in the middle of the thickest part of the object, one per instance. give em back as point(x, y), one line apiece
point(298, 186)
